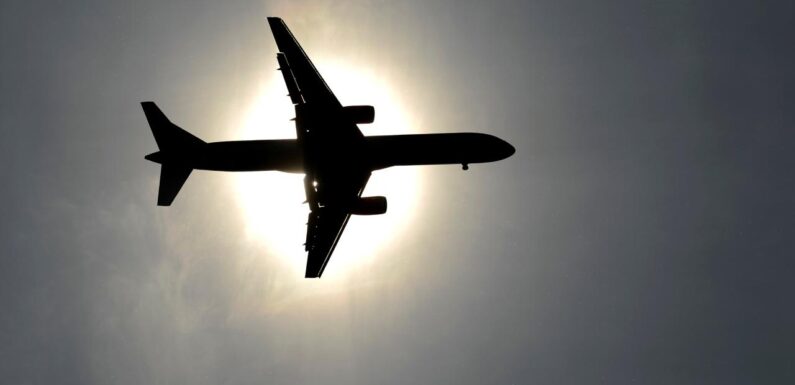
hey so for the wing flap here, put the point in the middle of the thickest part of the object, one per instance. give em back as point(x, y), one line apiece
point(289, 79)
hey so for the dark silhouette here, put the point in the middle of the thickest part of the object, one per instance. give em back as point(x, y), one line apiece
point(330, 150)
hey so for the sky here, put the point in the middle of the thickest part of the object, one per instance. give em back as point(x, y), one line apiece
point(644, 231)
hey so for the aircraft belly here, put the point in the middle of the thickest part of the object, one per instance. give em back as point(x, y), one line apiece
point(424, 149)
point(251, 155)
point(329, 149)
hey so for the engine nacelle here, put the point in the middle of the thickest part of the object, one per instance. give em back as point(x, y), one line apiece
point(359, 114)
point(369, 206)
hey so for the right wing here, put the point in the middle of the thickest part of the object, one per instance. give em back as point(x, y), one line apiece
point(318, 112)
point(312, 86)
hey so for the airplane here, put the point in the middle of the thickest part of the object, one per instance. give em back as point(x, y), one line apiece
point(334, 156)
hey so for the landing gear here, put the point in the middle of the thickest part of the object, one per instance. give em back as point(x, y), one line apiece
point(465, 166)
point(311, 192)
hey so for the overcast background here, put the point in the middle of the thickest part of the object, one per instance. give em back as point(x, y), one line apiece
point(644, 231)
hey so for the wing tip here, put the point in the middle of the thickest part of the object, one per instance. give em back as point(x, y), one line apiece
point(312, 270)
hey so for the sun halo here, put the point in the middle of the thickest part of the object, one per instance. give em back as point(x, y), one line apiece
point(272, 201)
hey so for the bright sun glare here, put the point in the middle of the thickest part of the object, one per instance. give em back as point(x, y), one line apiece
point(272, 201)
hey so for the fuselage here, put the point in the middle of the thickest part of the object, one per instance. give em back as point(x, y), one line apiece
point(377, 152)
point(329, 149)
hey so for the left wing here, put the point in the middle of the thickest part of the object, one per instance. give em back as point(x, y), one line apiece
point(324, 229)
point(326, 223)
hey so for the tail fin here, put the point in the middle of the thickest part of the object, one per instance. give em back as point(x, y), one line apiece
point(167, 135)
point(172, 177)
point(176, 147)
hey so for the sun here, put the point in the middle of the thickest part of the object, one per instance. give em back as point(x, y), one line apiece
point(272, 201)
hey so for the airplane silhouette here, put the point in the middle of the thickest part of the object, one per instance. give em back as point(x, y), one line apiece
point(335, 157)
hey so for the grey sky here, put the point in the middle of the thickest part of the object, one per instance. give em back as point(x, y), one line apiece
point(642, 233)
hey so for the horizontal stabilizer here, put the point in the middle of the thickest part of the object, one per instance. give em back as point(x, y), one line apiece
point(172, 177)
point(176, 148)
point(167, 134)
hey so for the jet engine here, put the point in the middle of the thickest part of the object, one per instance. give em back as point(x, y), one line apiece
point(359, 114)
point(369, 206)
